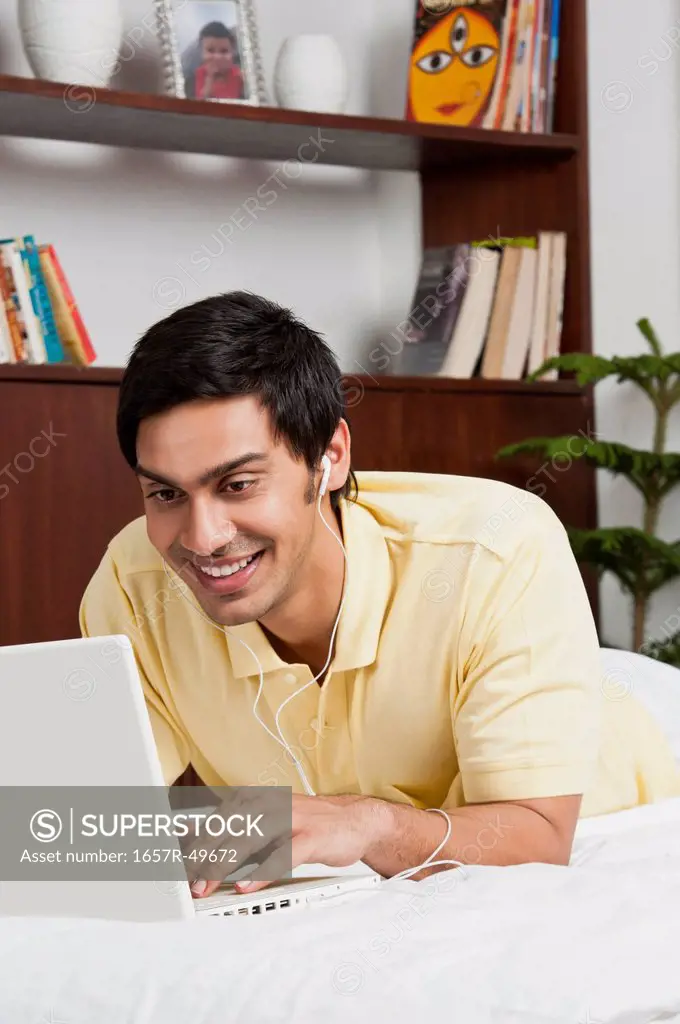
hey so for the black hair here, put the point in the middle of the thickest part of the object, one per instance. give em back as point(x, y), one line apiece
point(216, 30)
point(238, 344)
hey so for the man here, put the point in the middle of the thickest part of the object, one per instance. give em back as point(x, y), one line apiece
point(465, 671)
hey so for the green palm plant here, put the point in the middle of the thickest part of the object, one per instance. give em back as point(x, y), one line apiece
point(641, 561)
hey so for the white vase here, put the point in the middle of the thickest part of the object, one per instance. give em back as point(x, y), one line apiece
point(75, 41)
point(311, 74)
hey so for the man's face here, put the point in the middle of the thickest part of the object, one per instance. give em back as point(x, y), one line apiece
point(217, 54)
point(238, 534)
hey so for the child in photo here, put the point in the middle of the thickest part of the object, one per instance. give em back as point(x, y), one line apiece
point(218, 77)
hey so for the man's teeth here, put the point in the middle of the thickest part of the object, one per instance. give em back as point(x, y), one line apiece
point(226, 570)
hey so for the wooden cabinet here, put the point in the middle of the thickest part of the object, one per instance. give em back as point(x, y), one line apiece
point(65, 489)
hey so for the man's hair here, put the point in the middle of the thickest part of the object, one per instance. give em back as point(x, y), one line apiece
point(216, 30)
point(238, 344)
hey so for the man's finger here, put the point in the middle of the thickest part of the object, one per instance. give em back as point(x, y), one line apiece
point(216, 857)
point(272, 864)
point(200, 888)
point(249, 887)
point(303, 850)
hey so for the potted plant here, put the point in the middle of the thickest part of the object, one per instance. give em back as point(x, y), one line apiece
point(640, 560)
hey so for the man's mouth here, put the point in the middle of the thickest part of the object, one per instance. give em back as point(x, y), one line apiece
point(447, 109)
point(227, 576)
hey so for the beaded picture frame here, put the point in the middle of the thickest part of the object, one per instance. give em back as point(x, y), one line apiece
point(211, 50)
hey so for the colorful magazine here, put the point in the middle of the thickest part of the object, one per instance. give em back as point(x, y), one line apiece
point(455, 60)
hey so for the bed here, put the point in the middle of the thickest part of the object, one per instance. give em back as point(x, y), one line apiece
point(595, 943)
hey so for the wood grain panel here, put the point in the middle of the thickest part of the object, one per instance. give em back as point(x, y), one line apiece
point(69, 499)
point(440, 433)
point(73, 495)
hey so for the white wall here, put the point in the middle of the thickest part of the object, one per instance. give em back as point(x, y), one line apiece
point(635, 195)
point(124, 221)
point(398, 210)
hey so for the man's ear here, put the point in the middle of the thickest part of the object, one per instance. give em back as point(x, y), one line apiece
point(339, 452)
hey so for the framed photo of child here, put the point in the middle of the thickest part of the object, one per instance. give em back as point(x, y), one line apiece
point(211, 50)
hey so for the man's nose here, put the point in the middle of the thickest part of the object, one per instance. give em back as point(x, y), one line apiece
point(207, 531)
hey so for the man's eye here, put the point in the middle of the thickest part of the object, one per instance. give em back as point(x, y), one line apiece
point(163, 497)
point(238, 486)
point(433, 63)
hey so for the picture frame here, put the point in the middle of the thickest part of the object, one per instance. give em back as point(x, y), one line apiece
point(211, 50)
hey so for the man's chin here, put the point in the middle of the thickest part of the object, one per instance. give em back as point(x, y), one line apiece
point(223, 601)
point(230, 610)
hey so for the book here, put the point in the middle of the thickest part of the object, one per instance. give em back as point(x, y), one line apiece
point(526, 106)
point(436, 307)
point(10, 299)
point(471, 329)
point(455, 61)
point(520, 324)
point(493, 117)
point(41, 301)
point(494, 353)
point(6, 346)
point(72, 331)
point(551, 82)
point(539, 330)
point(13, 254)
point(558, 269)
point(544, 58)
point(519, 66)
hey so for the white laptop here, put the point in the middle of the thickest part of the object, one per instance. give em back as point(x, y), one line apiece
point(72, 713)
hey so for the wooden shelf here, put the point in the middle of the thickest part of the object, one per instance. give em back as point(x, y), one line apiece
point(32, 108)
point(449, 384)
point(57, 373)
point(64, 374)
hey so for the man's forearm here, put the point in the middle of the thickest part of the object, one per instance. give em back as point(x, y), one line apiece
point(497, 834)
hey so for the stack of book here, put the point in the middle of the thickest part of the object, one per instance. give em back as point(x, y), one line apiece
point(485, 63)
point(523, 96)
point(485, 309)
point(39, 318)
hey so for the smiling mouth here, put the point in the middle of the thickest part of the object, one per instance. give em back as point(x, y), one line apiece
point(227, 577)
point(218, 569)
point(449, 108)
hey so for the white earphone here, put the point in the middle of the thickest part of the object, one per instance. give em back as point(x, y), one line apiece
point(280, 739)
point(326, 463)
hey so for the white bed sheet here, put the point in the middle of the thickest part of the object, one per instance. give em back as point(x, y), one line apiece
point(595, 943)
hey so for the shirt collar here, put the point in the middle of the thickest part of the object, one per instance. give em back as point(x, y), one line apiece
point(368, 580)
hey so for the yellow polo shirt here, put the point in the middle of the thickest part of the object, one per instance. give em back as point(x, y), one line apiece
point(466, 666)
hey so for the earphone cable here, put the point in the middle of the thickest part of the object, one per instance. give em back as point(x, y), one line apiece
point(280, 739)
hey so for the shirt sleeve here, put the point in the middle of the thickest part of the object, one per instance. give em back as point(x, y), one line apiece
point(526, 707)
point(106, 610)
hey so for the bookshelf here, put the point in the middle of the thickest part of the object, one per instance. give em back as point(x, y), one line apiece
point(36, 109)
point(65, 500)
point(64, 374)
point(475, 184)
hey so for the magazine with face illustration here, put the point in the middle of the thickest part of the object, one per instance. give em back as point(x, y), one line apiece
point(456, 62)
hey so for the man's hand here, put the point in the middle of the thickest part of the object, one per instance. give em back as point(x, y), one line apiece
point(333, 830)
point(389, 838)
